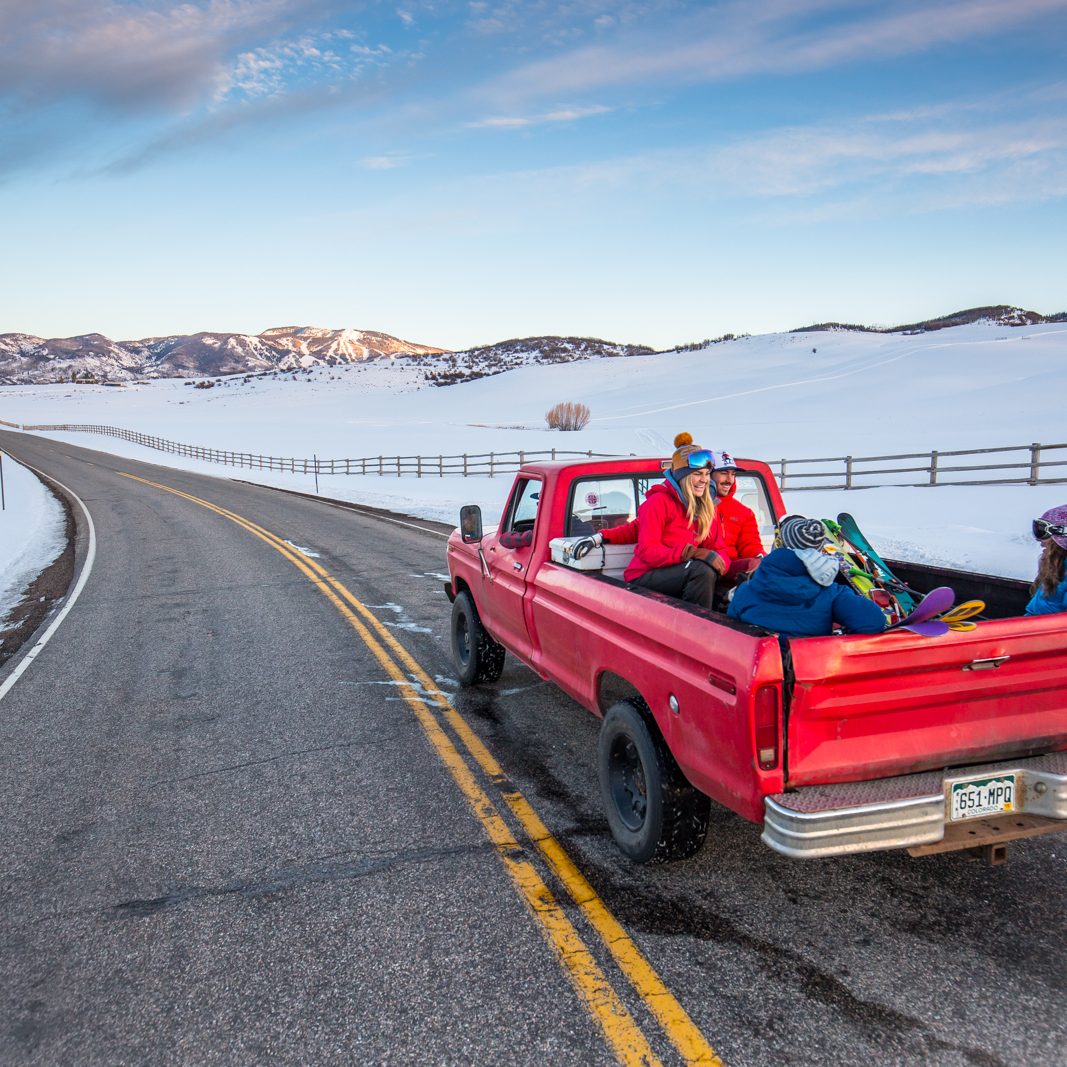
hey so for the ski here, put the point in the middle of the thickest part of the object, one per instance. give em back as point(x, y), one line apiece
point(854, 573)
point(852, 533)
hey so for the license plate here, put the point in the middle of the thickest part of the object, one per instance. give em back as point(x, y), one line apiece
point(985, 796)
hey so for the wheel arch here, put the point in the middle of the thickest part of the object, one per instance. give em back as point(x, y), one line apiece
point(612, 687)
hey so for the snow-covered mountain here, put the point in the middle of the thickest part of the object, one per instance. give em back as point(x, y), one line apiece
point(93, 357)
point(24, 358)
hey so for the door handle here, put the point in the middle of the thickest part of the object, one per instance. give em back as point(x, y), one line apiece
point(990, 664)
point(517, 566)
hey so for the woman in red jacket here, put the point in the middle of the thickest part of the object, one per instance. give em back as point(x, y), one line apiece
point(680, 550)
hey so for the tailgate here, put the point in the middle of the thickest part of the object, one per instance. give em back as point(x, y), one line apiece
point(896, 703)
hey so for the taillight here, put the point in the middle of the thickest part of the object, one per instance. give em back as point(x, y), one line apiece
point(767, 728)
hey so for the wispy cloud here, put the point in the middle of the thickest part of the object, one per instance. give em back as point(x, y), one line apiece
point(130, 57)
point(513, 122)
point(776, 37)
point(391, 161)
point(973, 152)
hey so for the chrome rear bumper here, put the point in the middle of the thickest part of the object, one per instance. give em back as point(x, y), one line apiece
point(904, 812)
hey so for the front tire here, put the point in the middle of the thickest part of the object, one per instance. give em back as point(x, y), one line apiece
point(476, 656)
point(655, 815)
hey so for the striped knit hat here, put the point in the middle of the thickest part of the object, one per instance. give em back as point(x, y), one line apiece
point(795, 531)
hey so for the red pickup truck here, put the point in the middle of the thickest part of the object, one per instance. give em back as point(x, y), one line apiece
point(835, 744)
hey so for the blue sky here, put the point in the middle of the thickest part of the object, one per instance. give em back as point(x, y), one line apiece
point(460, 173)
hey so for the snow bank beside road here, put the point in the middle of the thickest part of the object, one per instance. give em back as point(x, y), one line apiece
point(32, 533)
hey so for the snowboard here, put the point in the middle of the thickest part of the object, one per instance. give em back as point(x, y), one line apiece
point(933, 604)
point(928, 628)
point(854, 535)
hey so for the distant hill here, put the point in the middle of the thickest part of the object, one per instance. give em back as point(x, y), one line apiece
point(452, 367)
point(1001, 314)
point(24, 358)
point(93, 357)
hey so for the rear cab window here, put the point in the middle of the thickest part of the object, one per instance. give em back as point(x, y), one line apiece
point(752, 492)
point(600, 503)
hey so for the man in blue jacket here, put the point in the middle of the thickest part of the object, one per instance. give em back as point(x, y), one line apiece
point(794, 592)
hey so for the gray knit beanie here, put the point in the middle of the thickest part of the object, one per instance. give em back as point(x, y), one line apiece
point(800, 533)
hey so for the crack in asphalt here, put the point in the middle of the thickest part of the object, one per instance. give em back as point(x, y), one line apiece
point(363, 742)
point(288, 880)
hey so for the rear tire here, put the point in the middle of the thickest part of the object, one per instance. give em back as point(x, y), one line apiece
point(655, 815)
point(476, 656)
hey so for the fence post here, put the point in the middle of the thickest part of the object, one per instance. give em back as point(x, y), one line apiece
point(933, 467)
point(781, 474)
point(316, 474)
point(848, 472)
point(381, 469)
point(464, 464)
point(553, 455)
point(522, 457)
point(441, 466)
point(490, 464)
point(398, 466)
point(418, 466)
point(1035, 463)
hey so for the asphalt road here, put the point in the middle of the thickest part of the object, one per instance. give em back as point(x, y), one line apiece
point(231, 836)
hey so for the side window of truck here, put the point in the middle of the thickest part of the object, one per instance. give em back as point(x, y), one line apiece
point(522, 508)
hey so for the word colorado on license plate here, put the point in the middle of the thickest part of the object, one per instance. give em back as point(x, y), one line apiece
point(986, 796)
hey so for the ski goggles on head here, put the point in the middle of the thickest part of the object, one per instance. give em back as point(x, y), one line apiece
point(698, 461)
point(1043, 529)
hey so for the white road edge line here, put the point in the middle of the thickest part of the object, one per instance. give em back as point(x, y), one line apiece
point(90, 556)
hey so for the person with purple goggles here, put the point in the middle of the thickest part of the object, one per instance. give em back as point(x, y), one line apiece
point(1050, 586)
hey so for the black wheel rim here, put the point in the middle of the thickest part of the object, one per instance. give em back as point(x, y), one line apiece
point(627, 780)
point(463, 639)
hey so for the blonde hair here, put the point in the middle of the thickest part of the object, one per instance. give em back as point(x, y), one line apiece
point(700, 510)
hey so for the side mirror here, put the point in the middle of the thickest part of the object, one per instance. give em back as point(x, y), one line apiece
point(470, 523)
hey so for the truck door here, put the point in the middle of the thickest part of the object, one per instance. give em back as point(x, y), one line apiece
point(508, 553)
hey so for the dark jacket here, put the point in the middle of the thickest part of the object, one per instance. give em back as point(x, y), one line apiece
point(783, 597)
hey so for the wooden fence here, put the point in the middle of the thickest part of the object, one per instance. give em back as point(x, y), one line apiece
point(13, 425)
point(1016, 464)
point(467, 465)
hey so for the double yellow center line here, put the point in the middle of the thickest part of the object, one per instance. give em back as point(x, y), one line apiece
point(626, 1038)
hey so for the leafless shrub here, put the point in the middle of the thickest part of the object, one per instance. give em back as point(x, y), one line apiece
point(567, 415)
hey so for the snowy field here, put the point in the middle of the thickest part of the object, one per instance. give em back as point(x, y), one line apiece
point(31, 533)
point(780, 395)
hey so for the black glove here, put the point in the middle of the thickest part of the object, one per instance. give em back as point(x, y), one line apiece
point(581, 548)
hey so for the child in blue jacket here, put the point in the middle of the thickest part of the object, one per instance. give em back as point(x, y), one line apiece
point(793, 591)
point(1050, 586)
